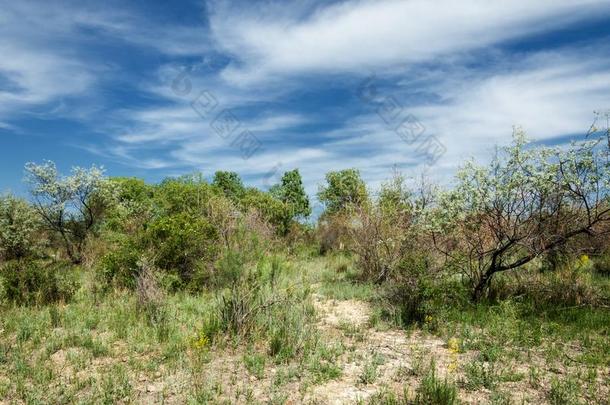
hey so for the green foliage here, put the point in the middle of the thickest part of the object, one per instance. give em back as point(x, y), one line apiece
point(292, 193)
point(272, 210)
point(564, 392)
point(480, 374)
point(394, 196)
point(19, 229)
point(434, 391)
point(119, 268)
point(183, 194)
point(255, 364)
point(416, 295)
point(602, 264)
point(230, 184)
point(30, 282)
point(180, 242)
point(369, 372)
point(132, 204)
point(344, 189)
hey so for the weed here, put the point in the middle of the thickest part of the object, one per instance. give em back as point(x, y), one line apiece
point(480, 374)
point(255, 364)
point(369, 372)
point(564, 392)
point(434, 391)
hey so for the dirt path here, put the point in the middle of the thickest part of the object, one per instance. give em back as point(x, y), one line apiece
point(375, 359)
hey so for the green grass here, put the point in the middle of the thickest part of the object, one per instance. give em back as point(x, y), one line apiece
point(255, 364)
point(434, 391)
point(100, 345)
point(370, 371)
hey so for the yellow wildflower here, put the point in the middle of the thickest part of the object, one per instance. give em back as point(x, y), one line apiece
point(454, 348)
point(201, 342)
point(454, 345)
point(584, 259)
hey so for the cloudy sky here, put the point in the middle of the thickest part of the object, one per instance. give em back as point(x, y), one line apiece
point(156, 89)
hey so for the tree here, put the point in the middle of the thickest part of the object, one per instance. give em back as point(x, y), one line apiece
point(344, 189)
point(71, 205)
point(189, 193)
point(527, 202)
point(19, 228)
point(230, 184)
point(292, 193)
point(271, 209)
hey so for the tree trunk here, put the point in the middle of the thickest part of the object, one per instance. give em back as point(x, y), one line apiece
point(482, 285)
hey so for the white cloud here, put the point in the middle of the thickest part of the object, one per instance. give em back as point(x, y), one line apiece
point(354, 35)
point(278, 52)
point(46, 49)
point(550, 95)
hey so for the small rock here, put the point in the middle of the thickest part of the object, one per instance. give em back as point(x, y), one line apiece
point(151, 388)
point(158, 374)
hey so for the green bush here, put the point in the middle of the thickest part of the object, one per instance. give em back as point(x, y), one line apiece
point(601, 264)
point(571, 285)
point(272, 210)
point(182, 242)
point(29, 282)
point(19, 228)
point(416, 295)
point(184, 194)
point(119, 268)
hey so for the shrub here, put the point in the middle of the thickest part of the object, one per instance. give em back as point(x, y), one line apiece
point(180, 242)
point(230, 184)
point(380, 239)
point(151, 299)
point(601, 264)
point(19, 229)
point(119, 268)
point(29, 282)
point(411, 302)
point(418, 295)
point(132, 206)
point(344, 189)
point(184, 194)
point(239, 307)
point(292, 193)
point(271, 209)
point(333, 232)
point(526, 203)
point(570, 286)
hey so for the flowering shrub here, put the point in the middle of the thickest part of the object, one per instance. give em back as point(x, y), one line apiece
point(19, 229)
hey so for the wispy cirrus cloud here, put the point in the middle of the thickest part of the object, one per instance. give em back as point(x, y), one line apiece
point(289, 71)
point(46, 50)
point(381, 34)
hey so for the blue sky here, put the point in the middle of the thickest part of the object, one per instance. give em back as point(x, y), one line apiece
point(318, 85)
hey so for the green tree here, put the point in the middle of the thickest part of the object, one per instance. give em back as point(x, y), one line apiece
point(70, 206)
point(272, 209)
point(230, 184)
point(189, 193)
point(344, 189)
point(292, 193)
point(395, 196)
